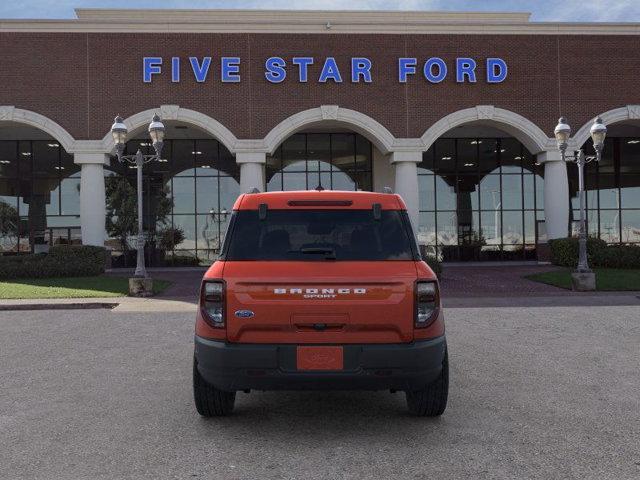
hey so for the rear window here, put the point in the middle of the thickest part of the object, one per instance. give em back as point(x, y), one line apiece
point(318, 235)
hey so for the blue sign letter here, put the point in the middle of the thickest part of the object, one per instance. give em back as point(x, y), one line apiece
point(331, 71)
point(150, 66)
point(360, 67)
point(303, 64)
point(200, 71)
point(465, 67)
point(275, 69)
point(230, 69)
point(496, 70)
point(428, 70)
point(175, 69)
point(406, 66)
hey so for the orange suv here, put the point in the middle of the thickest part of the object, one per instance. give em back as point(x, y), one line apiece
point(320, 290)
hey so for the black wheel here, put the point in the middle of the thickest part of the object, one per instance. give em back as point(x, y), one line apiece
point(432, 401)
point(210, 402)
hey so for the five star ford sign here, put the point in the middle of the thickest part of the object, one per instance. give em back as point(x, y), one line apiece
point(361, 69)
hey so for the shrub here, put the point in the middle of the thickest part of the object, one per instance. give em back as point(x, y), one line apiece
point(182, 261)
point(619, 256)
point(169, 238)
point(61, 261)
point(564, 252)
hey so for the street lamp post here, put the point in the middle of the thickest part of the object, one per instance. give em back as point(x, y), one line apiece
point(141, 284)
point(583, 278)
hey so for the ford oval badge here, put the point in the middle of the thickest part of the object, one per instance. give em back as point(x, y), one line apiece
point(244, 313)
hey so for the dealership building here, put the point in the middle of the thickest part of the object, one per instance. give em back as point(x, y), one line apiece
point(453, 111)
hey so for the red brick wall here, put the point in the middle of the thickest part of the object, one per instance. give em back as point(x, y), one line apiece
point(82, 80)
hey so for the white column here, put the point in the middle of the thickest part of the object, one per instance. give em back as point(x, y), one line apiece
point(406, 183)
point(251, 170)
point(556, 194)
point(92, 197)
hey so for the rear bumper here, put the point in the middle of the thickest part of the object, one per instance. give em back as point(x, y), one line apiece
point(232, 367)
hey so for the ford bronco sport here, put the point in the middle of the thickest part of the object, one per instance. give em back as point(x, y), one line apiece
point(320, 290)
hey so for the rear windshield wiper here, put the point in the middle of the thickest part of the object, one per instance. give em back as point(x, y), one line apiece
point(329, 253)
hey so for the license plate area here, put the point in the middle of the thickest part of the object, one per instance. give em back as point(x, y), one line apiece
point(324, 358)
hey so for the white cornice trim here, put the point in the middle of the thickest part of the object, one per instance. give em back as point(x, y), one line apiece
point(307, 21)
point(262, 16)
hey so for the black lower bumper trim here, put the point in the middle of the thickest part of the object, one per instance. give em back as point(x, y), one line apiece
point(232, 367)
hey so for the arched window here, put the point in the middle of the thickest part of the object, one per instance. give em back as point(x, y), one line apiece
point(188, 198)
point(335, 161)
point(612, 188)
point(39, 194)
point(480, 199)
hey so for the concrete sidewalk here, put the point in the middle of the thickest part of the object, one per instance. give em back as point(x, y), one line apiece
point(118, 304)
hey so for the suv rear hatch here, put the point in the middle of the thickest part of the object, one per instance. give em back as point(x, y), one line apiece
point(319, 276)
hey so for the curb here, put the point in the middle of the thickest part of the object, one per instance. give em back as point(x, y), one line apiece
point(57, 306)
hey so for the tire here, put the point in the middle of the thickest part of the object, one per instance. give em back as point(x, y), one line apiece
point(210, 402)
point(432, 401)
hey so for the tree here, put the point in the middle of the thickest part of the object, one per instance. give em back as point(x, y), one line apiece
point(9, 223)
point(122, 209)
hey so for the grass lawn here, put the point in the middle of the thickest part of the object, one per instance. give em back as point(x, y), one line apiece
point(607, 279)
point(73, 287)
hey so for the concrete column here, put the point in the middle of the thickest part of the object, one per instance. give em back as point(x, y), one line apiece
point(251, 170)
point(406, 182)
point(92, 197)
point(556, 194)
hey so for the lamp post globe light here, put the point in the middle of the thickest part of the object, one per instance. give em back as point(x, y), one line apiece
point(141, 284)
point(583, 279)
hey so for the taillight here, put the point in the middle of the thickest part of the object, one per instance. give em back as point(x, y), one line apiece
point(427, 303)
point(212, 302)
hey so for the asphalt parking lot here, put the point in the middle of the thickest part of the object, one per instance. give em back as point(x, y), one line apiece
point(544, 392)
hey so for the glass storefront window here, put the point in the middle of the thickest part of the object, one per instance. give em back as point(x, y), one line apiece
point(445, 195)
point(610, 226)
point(479, 199)
point(612, 191)
point(192, 190)
point(487, 155)
point(630, 223)
point(335, 161)
point(629, 155)
point(39, 195)
point(427, 191)
point(630, 191)
point(467, 195)
point(490, 197)
point(512, 191)
point(427, 228)
point(511, 155)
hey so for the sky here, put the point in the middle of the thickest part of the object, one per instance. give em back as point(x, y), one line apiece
point(542, 10)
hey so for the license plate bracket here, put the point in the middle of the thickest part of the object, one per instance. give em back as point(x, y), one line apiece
point(320, 358)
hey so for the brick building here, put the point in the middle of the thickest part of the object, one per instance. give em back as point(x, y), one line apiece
point(454, 111)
